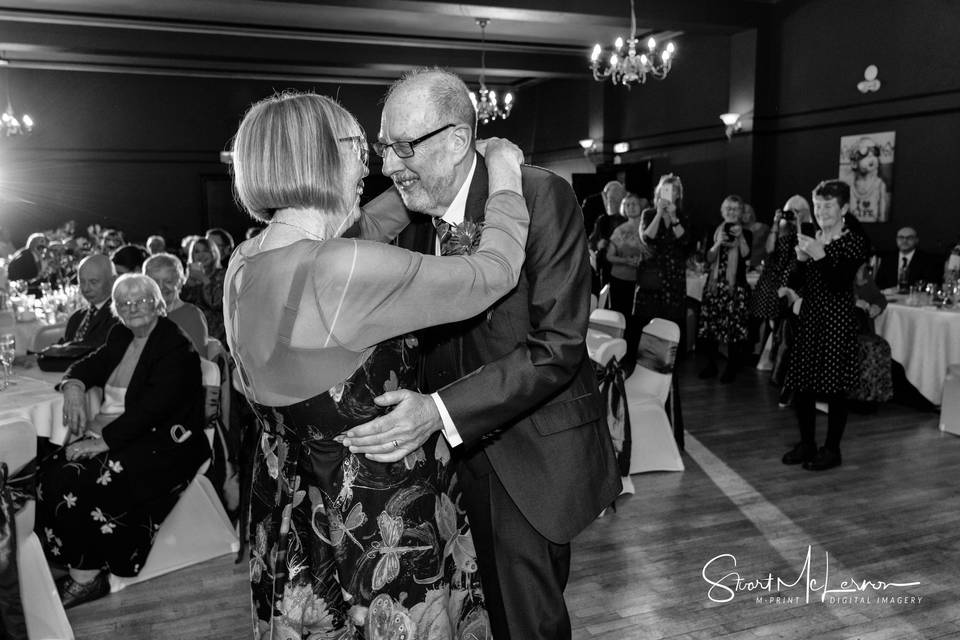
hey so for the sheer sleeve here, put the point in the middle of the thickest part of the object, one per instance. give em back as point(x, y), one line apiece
point(368, 291)
point(381, 219)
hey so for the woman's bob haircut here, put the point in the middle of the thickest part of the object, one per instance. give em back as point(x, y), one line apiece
point(286, 154)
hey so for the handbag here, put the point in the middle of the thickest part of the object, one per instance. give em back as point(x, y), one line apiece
point(58, 357)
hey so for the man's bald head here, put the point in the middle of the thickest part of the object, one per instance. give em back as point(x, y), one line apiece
point(443, 96)
point(613, 193)
point(95, 277)
point(799, 205)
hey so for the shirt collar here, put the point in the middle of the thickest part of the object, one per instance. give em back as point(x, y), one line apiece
point(908, 256)
point(458, 208)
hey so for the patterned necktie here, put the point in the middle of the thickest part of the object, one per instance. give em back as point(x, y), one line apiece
point(903, 268)
point(444, 236)
point(84, 324)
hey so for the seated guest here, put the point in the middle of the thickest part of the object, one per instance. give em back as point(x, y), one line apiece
point(110, 241)
point(101, 498)
point(167, 271)
point(908, 264)
point(224, 242)
point(91, 326)
point(156, 244)
point(204, 285)
point(129, 259)
point(875, 382)
point(27, 263)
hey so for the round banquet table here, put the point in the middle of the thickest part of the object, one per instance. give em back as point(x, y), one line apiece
point(925, 340)
point(34, 398)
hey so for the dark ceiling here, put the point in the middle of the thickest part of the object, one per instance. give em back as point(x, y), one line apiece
point(341, 41)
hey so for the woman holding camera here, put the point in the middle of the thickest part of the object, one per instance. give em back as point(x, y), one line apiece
point(824, 361)
point(724, 315)
point(204, 285)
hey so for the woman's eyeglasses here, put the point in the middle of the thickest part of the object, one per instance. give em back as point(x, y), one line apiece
point(360, 145)
point(141, 303)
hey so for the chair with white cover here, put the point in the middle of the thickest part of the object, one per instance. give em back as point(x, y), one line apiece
point(603, 297)
point(654, 447)
point(950, 402)
point(604, 349)
point(197, 529)
point(42, 609)
point(47, 336)
point(608, 321)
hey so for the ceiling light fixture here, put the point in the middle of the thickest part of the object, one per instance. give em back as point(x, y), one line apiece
point(488, 108)
point(623, 65)
point(10, 125)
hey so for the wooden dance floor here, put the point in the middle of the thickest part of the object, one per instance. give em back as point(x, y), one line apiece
point(890, 514)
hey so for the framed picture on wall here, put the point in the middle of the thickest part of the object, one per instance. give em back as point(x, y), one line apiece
point(866, 164)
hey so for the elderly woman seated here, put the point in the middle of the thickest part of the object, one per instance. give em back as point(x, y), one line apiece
point(102, 498)
point(167, 271)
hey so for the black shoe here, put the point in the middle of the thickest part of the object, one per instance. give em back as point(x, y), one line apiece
point(73, 593)
point(710, 371)
point(799, 454)
point(826, 459)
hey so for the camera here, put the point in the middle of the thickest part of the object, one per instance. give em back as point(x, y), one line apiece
point(788, 215)
point(728, 230)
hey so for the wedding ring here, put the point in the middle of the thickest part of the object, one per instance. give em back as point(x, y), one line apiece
point(396, 445)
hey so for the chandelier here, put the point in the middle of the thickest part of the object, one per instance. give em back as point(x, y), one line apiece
point(487, 105)
point(9, 124)
point(623, 64)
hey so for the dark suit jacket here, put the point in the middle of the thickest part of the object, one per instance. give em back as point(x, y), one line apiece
point(103, 321)
point(528, 395)
point(23, 266)
point(923, 266)
point(166, 389)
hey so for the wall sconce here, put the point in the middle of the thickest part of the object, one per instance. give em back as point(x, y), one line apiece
point(587, 144)
point(621, 147)
point(732, 122)
point(592, 150)
point(870, 81)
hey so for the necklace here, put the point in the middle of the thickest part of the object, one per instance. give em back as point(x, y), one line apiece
point(312, 234)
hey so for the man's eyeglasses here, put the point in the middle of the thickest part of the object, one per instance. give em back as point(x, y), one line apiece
point(141, 303)
point(899, 237)
point(360, 144)
point(404, 148)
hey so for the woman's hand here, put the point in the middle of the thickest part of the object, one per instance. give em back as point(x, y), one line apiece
point(86, 448)
point(503, 160)
point(810, 246)
point(74, 408)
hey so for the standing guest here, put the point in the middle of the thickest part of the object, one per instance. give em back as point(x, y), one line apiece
point(92, 325)
point(185, 243)
point(824, 360)
point(513, 390)
point(6, 246)
point(167, 271)
point(156, 244)
point(225, 244)
point(110, 241)
point(129, 259)
point(625, 252)
point(101, 499)
point(316, 324)
point(780, 256)
point(28, 263)
point(613, 193)
point(661, 280)
point(724, 314)
point(204, 285)
point(759, 230)
point(908, 265)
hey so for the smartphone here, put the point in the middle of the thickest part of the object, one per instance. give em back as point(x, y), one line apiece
point(808, 229)
point(666, 193)
point(728, 230)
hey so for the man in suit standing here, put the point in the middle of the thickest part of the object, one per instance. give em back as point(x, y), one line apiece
point(514, 392)
point(91, 325)
point(909, 263)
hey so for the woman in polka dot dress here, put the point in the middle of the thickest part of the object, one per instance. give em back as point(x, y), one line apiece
point(824, 362)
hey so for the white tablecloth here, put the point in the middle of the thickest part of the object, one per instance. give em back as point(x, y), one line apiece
point(34, 398)
point(925, 341)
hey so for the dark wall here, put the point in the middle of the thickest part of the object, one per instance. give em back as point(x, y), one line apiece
point(826, 45)
point(137, 152)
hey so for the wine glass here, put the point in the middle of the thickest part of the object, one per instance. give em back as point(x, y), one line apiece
point(8, 352)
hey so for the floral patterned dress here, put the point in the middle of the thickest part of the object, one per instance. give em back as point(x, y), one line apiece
point(344, 547)
point(669, 299)
point(724, 314)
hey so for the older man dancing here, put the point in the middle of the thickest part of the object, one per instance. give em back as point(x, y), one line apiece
point(513, 390)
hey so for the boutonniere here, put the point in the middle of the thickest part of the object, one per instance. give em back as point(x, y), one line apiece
point(459, 239)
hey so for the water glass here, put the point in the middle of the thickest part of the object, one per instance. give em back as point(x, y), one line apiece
point(8, 352)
